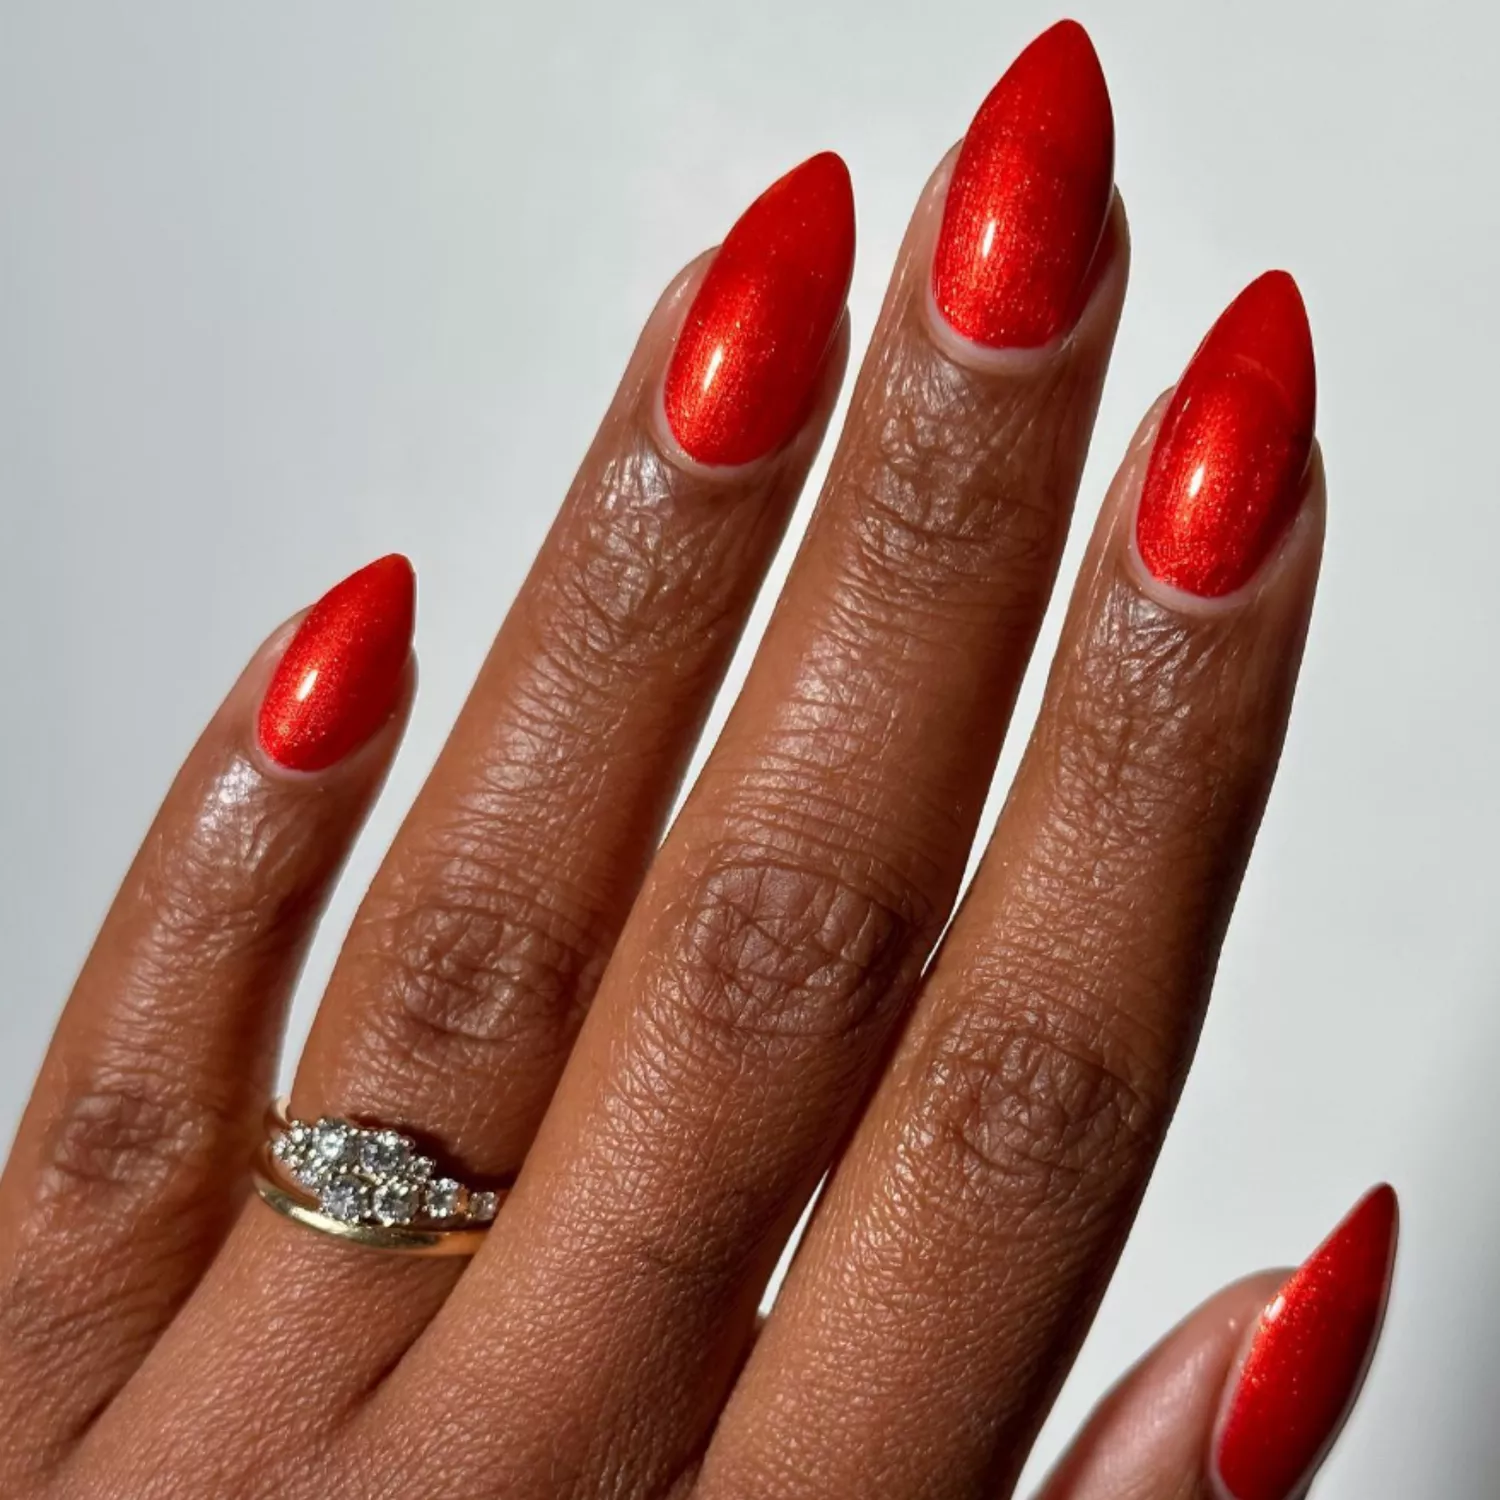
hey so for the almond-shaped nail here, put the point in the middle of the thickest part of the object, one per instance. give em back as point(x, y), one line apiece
point(340, 676)
point(1029, 197)
point(1226, 474)
point(754, 341)
point(1308, 1359)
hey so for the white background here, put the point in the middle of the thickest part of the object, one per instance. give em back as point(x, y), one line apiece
point(286, 287)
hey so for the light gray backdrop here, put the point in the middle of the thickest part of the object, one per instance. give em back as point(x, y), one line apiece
point(283, 287)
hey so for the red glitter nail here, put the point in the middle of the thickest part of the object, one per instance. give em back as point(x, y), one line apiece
point(1029, 197)
point(340, 675)
point(1226, 473)
point(753, 342)
point(1308, 1358)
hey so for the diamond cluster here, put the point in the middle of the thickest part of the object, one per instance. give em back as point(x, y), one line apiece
point(376, 1177)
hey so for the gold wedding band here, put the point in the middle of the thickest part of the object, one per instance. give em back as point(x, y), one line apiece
point(366, 1185)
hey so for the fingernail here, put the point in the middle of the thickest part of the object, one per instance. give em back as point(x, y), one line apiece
point(1308, 1358)
point(340, 675)
point(754, 340)
point(1226, 473)
point(1029, 197)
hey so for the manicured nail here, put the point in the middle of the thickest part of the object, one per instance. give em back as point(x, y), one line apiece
point(753, 342)
point(1308, 1359)
point(340, 675)
point(1029, 197)
point(1226, 474)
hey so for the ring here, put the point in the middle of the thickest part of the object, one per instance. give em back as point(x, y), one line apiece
point(368, 1186)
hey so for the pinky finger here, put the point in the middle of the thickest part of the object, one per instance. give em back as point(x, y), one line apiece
point(1244, 1399)
point(132, 1156)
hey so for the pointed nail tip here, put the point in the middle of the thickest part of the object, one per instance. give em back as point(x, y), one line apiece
point(828, 161)
point(1067, 52)
point(389, 569)
point(396, 571)
point(1268, 321)
point(1278, 294)
point(826, 170)
point(1373, 1225)
point(1069, 46)
point(1068, 33)
point(827, 174)
point(397, 575)
point(1378, 1212)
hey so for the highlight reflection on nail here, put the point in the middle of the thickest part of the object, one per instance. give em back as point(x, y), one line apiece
point(1226, 474)
point(1029, 197)
point(340, 676)
point(754, 341)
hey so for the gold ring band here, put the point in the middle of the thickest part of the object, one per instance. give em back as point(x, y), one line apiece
point(369, 1186)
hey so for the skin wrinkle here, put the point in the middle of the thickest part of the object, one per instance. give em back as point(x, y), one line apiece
point(647, 579)
point(791, 815)
point(229, 896)
point(770, 950)
point(937, 517)
point(486, 958)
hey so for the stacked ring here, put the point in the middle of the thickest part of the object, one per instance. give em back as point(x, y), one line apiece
point(369, 1186)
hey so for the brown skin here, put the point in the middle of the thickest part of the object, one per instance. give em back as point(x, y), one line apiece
point(755, 996)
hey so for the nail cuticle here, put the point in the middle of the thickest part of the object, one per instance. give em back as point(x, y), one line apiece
point(1209, 607)
point(671, 451)
point(984, 359)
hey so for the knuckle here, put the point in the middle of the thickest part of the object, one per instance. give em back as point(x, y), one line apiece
point(125, 1131)
point(1027, 1113)
point(234, 889)
point(769, 947)
point(1144, 745)
point(470, 961)
point(947, 487)
point(640, 577)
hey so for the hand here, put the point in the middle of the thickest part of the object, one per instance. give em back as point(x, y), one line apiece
point(765, 996)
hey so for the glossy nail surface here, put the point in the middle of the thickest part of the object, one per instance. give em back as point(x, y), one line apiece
point(1029, 197)
point(1308, 1358)
point(340, 675)
point(1226, 472)
point(754, 340)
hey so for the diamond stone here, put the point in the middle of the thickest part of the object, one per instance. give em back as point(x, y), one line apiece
point(483, 1206)
point(347, 1198)
point(444, 1197)
point(290, 1144)
point(323, 1147)
point(328, 1141)
point(383, 1153)
point(396, 1202)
